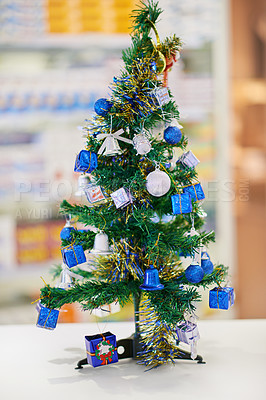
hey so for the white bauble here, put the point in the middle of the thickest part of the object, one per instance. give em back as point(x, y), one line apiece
point(141, 144)
point(158, 183)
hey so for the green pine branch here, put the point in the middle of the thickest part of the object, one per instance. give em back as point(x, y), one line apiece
point(91, 294)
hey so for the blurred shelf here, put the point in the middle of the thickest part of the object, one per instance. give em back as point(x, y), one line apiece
point(67, 42)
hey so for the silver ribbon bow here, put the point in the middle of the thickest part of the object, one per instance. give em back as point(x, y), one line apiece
point(111, 136)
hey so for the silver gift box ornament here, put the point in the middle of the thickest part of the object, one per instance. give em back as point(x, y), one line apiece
point(94, 193)
point(122, 197)
point(189, 159)
point(188, 333)
point(162, 95)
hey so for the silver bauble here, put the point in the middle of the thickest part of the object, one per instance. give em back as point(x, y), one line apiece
point(158, 183)
point(141, 144)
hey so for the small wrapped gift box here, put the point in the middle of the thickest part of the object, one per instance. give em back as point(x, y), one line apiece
point(162, 95)
point(73, 255)
point(221, 298)
point(181, 203)
point(195, 190)
point(47, 317)
point(121, 197)
point(187, 332)
point(189, 159)
point(94, 193)
point(86, 161)
point(101, 349)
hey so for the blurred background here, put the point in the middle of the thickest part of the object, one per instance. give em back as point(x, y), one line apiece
point(59, 56)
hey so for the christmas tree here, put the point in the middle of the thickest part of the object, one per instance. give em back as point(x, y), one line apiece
point(145, 207)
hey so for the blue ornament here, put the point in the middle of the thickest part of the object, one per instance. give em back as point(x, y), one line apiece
point(86, 161)
point(47, 317)
point(151, 280)
point(204, 253)
point(206, 265)
point(73, 255)
point(101, 349)
point(195, 190)
point(181, 203)
point(194, 273)
point(102, 107)
point(172, 135)
point(65, 233)
point(221, 298)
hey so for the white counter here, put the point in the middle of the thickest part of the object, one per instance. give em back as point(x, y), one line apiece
point(40, 364)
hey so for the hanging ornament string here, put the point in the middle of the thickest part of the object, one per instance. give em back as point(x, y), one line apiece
point(111, 136)
point(192, 220)
point(42, 297)
point(178, 188)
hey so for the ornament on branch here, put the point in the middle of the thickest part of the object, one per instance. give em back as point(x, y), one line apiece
point(94, 193)
point(188, 159)
point(194, 273)
point(161, 95)
point(221, 297)
point(101, 349)
point(181, 203)
point(204, 252)
point(73, 255)
point(65, 233)
point(206, 264)
point(197, 252)
point(110, 146)
point(47, 317)
point(151, 280)
point(172, 134)
point(86, 161)
point(158, 182)
point(195, 190)
point(141, 143)
point(188, 333)
point(101, 244)
point(102, 107)
point(159, 57)
point(122, 197)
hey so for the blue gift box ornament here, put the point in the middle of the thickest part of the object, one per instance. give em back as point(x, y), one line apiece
point(221, 298)
point(181, 203)
point(47, 317)
point(86, 161)
point(101, 349)
point(73, 255)
point(195, 190)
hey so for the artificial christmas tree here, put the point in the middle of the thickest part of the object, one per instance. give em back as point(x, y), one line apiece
point(137, 256)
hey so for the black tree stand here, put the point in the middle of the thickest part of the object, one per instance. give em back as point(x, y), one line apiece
point(132, 345)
